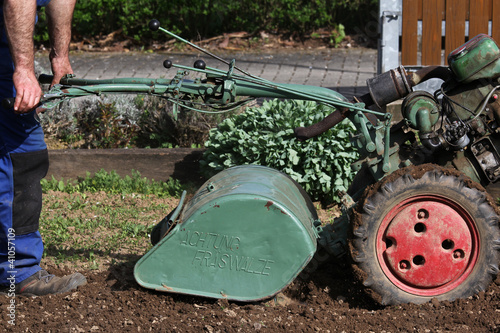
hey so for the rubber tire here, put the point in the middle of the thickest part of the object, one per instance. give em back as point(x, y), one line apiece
point(406, 183)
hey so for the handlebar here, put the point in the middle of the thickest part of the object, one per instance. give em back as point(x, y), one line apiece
point(219, 90)
point(8, 103)
point(45, 78)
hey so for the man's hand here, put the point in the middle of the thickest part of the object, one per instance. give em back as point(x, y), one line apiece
point(60, 67)
point(19, 17)
point(59, 14)
point(28, 91)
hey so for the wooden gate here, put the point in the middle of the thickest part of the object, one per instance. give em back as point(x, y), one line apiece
point(480, 15)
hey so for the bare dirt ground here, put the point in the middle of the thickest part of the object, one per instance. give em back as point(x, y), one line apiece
point(325, 300)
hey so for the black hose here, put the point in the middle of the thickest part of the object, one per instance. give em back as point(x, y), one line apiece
point(304, 133)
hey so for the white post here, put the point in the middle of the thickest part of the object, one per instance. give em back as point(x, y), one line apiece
point(390, 14)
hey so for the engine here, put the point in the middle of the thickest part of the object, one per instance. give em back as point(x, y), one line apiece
point(458, 125)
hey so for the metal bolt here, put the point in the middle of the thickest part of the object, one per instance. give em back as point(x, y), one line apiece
point(404, 265)
point(457, 254)
point(422, 214)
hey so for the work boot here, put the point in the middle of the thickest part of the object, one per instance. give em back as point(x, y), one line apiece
point(43, 283)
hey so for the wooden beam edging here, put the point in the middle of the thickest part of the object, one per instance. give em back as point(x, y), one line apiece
point(157, 164)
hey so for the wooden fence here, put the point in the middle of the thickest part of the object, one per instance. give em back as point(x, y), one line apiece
point(455, 13)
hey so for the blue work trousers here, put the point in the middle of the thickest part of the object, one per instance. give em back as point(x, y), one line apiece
point(23, 163)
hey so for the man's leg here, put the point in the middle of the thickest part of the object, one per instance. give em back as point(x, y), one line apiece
point(20, 174)
point(21, 184)
point(23, 163)
point(28, 245)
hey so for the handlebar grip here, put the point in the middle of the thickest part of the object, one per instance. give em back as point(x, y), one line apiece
point(45, 78)
point(8, 103)
point(304, 133)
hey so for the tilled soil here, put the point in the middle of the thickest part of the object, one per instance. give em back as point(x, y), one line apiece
point(323, 300)
point(327, 301)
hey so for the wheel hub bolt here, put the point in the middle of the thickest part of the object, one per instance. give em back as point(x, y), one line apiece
point(422, 214)
point(458, 254)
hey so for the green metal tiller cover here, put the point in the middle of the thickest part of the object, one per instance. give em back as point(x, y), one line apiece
point(245, 235)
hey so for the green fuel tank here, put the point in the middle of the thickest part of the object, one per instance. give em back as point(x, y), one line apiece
point(245, 235)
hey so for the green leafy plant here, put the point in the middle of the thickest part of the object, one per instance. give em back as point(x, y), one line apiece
point(337, 35)
point(264, 136)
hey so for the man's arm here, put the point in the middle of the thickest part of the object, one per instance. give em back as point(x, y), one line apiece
point(60, 14)
point(19, 18)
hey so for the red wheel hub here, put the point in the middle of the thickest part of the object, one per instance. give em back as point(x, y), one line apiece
point(427, 245)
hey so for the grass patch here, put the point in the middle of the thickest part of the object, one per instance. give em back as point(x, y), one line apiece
point(111, 182)
point(104, 219)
